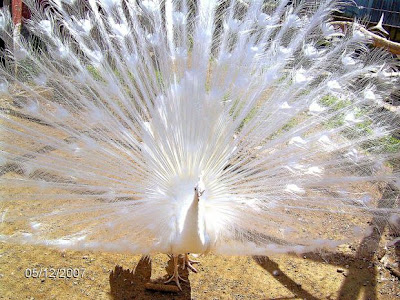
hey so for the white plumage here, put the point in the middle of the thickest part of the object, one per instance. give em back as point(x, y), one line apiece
point(232, 127)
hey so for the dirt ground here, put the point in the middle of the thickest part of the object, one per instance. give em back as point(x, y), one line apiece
point(366, 272)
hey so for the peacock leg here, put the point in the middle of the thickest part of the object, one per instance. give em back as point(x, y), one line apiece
point(188, 263)
point(175, 277)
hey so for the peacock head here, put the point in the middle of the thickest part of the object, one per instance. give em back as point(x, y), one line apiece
point(199, 189)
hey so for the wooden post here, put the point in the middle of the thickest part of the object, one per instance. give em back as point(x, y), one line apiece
point(17, 20)
point(17, 11)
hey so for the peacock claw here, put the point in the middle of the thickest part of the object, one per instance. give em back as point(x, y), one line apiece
point(175, 276)
point(188, 263)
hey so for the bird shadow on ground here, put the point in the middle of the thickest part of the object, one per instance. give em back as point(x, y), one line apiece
point(359, 270)
point(127, 284)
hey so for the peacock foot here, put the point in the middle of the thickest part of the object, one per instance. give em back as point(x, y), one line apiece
point(188, 263)
point(175, 276)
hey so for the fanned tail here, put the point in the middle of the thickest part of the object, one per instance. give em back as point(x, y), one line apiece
point(108, 107)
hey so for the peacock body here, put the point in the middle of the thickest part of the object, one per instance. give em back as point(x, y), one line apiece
point(232, 127)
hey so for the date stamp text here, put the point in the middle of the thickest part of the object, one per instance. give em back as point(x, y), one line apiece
point(55, 273)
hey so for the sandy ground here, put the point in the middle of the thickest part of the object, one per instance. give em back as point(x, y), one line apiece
point(367, 272)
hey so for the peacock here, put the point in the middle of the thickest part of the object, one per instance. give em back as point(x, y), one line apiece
point(231, 127)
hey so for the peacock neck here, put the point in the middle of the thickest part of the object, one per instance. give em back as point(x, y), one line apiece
point(188, 233)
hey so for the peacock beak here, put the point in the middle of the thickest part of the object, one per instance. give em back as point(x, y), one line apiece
point(198, 192)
